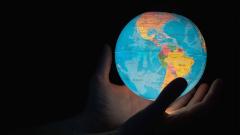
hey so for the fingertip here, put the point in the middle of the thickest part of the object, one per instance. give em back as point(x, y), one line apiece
point(214, 91)
point(218, 81)
point(171, 92)
point(107, 48)
point(217, 84)
point(105, 54)
point(176, 86)
point(203, 88)
point(199, 94)
point(104, 64)
point(180, 82)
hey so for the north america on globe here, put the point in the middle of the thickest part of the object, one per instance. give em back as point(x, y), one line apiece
point(154, 48)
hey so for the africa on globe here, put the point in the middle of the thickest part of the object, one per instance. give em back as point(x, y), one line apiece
point(154, 48)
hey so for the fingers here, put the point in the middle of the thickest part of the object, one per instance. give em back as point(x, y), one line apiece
point(144, 121)
point(105, 62)
point(170, 93)
point(214, 91)
point(199, 94)
point(201, 104)
point(180, 102)
point(204, 100)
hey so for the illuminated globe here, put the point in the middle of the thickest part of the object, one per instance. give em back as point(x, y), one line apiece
point(154, 48)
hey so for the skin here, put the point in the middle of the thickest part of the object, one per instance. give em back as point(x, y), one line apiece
point(117, 107)
point(112, 106)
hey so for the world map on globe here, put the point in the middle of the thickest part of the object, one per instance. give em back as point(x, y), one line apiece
point(154, 48)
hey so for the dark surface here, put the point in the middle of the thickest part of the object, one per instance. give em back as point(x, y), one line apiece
point(55, 47)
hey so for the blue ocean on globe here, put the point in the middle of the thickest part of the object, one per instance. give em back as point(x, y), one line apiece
point(154, 48)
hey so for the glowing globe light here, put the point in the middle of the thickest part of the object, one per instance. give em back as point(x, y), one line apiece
point(154, 48)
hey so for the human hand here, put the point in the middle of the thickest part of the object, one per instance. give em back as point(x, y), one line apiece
point(178, 115)
point(111, 106)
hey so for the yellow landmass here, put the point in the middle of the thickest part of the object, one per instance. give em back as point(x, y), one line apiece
point(178, 65)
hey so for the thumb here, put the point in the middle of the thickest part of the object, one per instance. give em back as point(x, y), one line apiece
point(105, 62)
point(169, 94)
point(145, 121)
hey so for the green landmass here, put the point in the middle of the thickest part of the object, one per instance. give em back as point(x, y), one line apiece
point(172, 47)
point(161, 58)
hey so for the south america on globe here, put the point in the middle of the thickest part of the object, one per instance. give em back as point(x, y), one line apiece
point(154, 48)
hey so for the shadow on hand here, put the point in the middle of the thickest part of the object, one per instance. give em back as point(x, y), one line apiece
point(146, 120)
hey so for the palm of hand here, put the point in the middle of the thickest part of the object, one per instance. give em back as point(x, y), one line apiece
point(112, 105)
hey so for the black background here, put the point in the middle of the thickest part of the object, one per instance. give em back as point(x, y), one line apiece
point(53, 50)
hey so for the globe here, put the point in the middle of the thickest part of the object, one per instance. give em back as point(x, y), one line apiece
point(154, 48)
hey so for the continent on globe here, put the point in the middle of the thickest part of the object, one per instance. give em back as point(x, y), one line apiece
point(154, 48)
point(177, 65)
